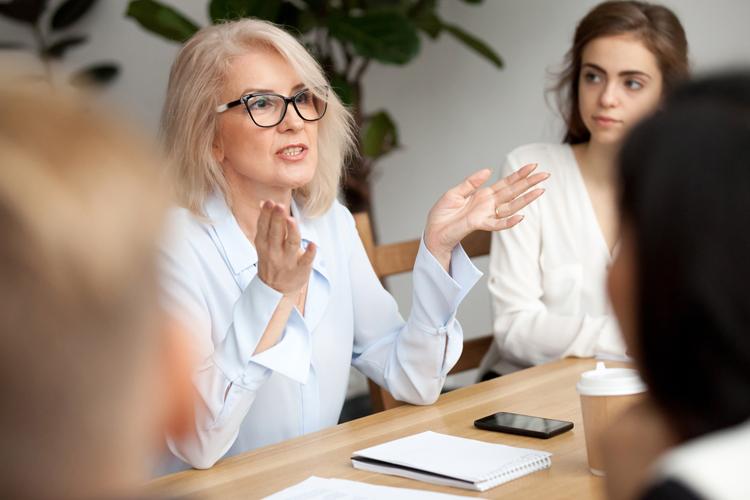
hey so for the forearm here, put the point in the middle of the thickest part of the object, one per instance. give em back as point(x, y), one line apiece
point(534, 335)
point(413, 358)
point(276, 324)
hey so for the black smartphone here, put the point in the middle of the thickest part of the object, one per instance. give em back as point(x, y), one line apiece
point(525, 425)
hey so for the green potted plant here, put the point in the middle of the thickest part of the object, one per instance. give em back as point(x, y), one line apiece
point(345, 36)
point(51, 36)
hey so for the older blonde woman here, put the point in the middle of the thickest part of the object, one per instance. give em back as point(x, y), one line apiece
point(266, 267)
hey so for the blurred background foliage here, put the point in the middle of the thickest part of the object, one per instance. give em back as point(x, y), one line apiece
point(53, 33)
point(345, 36)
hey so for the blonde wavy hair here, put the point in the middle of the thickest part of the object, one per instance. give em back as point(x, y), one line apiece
point(190, 122)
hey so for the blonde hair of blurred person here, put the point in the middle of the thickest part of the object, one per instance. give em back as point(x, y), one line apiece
point(190, 123)
point(91, 373)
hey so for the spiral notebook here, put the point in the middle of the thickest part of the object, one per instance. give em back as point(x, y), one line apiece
point(451, 460)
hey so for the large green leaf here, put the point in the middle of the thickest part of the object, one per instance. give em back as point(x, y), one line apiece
point(69, 12)
point(474, 44)
point(423, 15)
point(299, 20)
point(380, 135)
point(343, 89)
point(161, 19)
point(386, 36)
point(224, 10)
point(26, 11)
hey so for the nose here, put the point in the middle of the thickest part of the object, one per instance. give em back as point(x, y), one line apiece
point(609, 97)
point(292, 120)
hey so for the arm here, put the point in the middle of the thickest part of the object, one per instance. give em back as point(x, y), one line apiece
point(526, 331)
point(230, 371)
point(410, 359)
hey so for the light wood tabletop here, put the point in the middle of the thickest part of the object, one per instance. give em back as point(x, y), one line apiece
point(547, 391)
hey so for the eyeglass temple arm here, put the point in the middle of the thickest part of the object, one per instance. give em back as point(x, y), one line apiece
point(223, 107)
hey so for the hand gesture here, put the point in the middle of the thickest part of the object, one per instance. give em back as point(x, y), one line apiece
point(469, 207)
point(282, 264)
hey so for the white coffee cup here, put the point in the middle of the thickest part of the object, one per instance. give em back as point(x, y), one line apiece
point(605, 393)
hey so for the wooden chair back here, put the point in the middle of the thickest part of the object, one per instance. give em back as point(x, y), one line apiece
point(397, 258)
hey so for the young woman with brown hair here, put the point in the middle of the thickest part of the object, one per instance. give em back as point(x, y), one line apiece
point(547, 278)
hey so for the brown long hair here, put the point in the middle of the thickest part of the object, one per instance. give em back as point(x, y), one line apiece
point(655, 25)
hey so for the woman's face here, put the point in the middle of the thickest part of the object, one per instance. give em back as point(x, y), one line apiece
point(620, 83)
point(267, 160)
point(622, 286)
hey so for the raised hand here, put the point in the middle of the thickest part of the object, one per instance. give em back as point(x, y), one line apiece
point(468, 207)
point(282, 264)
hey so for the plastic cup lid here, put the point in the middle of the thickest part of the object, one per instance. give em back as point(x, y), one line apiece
point(605, 381)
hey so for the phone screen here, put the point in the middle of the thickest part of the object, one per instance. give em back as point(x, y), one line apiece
point(523, 424)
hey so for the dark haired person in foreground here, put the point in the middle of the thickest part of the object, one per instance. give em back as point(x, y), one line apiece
point(91, 373)
point(680, 287)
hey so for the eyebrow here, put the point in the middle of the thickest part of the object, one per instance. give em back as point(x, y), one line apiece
point(295, 89)
point(630, 72)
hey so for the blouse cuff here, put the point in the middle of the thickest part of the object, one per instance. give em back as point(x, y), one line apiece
point(252, 313)
point(436, 293)
point(291, 356)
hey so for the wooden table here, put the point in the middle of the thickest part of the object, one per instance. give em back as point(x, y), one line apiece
point(547, 390)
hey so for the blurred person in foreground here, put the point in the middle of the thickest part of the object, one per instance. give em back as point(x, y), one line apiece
point(680, 287)
point(91, 372)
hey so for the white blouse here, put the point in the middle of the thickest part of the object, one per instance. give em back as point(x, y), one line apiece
point(298, 386)
point(548, 275)
point(711, 466)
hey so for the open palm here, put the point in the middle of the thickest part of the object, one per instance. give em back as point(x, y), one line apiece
point(469, 207)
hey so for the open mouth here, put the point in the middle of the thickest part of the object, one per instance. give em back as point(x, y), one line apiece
point(292, 152)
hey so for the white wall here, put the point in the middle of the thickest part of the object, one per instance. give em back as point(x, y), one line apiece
point(455, 112)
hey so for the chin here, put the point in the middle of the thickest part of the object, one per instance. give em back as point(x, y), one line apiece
point(608, 139)
point(299, 175)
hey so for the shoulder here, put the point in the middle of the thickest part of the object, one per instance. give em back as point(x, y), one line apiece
point(713, 465)
point(550, 157)
point(337, 217)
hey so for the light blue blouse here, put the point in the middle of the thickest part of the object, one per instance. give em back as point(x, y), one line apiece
point(298, 386)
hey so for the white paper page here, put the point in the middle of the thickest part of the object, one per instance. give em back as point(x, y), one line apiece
point(317, 488)
point(451, 456)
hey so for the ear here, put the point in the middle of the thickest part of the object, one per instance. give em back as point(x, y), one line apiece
point(178, 363)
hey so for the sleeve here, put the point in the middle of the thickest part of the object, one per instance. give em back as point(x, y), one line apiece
point(410, 359)
point(526, 332)
point(227, 375)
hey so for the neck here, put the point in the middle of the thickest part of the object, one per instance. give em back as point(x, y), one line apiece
point(245, 200)
point(597, 161)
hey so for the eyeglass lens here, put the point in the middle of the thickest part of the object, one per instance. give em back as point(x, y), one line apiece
point(267, 110)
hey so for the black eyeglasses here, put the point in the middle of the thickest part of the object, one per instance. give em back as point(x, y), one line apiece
point(268, 110)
